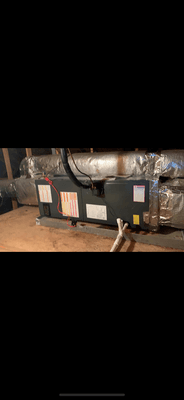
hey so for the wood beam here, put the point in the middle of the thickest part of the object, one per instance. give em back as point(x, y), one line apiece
point(28, 152)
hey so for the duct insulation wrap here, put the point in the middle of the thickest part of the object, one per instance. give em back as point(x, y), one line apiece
point(154, 205)
point(104, 165)
point(26, 191)
point(34, 167)
point(170, 163)
point(126, 164)
point(22, 188)
point(171, 204)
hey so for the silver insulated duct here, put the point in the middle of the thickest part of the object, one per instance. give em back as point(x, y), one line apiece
point(133, 164)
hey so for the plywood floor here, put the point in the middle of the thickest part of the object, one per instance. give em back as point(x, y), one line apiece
point(19, 233)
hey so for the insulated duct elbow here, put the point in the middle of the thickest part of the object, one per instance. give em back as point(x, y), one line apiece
point(68, 170)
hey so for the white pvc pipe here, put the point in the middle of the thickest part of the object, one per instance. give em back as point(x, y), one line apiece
point(120, 235)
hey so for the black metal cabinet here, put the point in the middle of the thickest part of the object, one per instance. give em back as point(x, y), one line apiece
point(123, 197)
point(120, 198)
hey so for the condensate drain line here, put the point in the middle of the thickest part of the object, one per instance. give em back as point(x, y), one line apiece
point(120, 235)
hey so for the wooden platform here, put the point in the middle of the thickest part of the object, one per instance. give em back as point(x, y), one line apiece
point(19, 233)
point(165, 237)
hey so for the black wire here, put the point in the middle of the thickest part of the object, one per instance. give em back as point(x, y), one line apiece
point(79, 169)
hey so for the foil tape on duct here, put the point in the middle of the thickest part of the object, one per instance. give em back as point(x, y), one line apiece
point(171, 204)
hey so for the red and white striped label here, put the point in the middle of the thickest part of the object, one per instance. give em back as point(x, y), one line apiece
point(69, 202)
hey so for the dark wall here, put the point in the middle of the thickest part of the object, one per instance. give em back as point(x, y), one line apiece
point(16, 156)
point(104, 149)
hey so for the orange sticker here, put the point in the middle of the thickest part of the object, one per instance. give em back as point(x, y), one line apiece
point(70, 205)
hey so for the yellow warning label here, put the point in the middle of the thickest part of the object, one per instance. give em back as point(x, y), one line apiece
point(136, 220)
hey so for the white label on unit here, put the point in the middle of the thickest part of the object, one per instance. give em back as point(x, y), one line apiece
point(139, 194)
point(96, 212)
point(45, 193)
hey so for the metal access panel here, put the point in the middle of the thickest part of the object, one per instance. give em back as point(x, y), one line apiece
point(70, 199)
point(125, 199)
